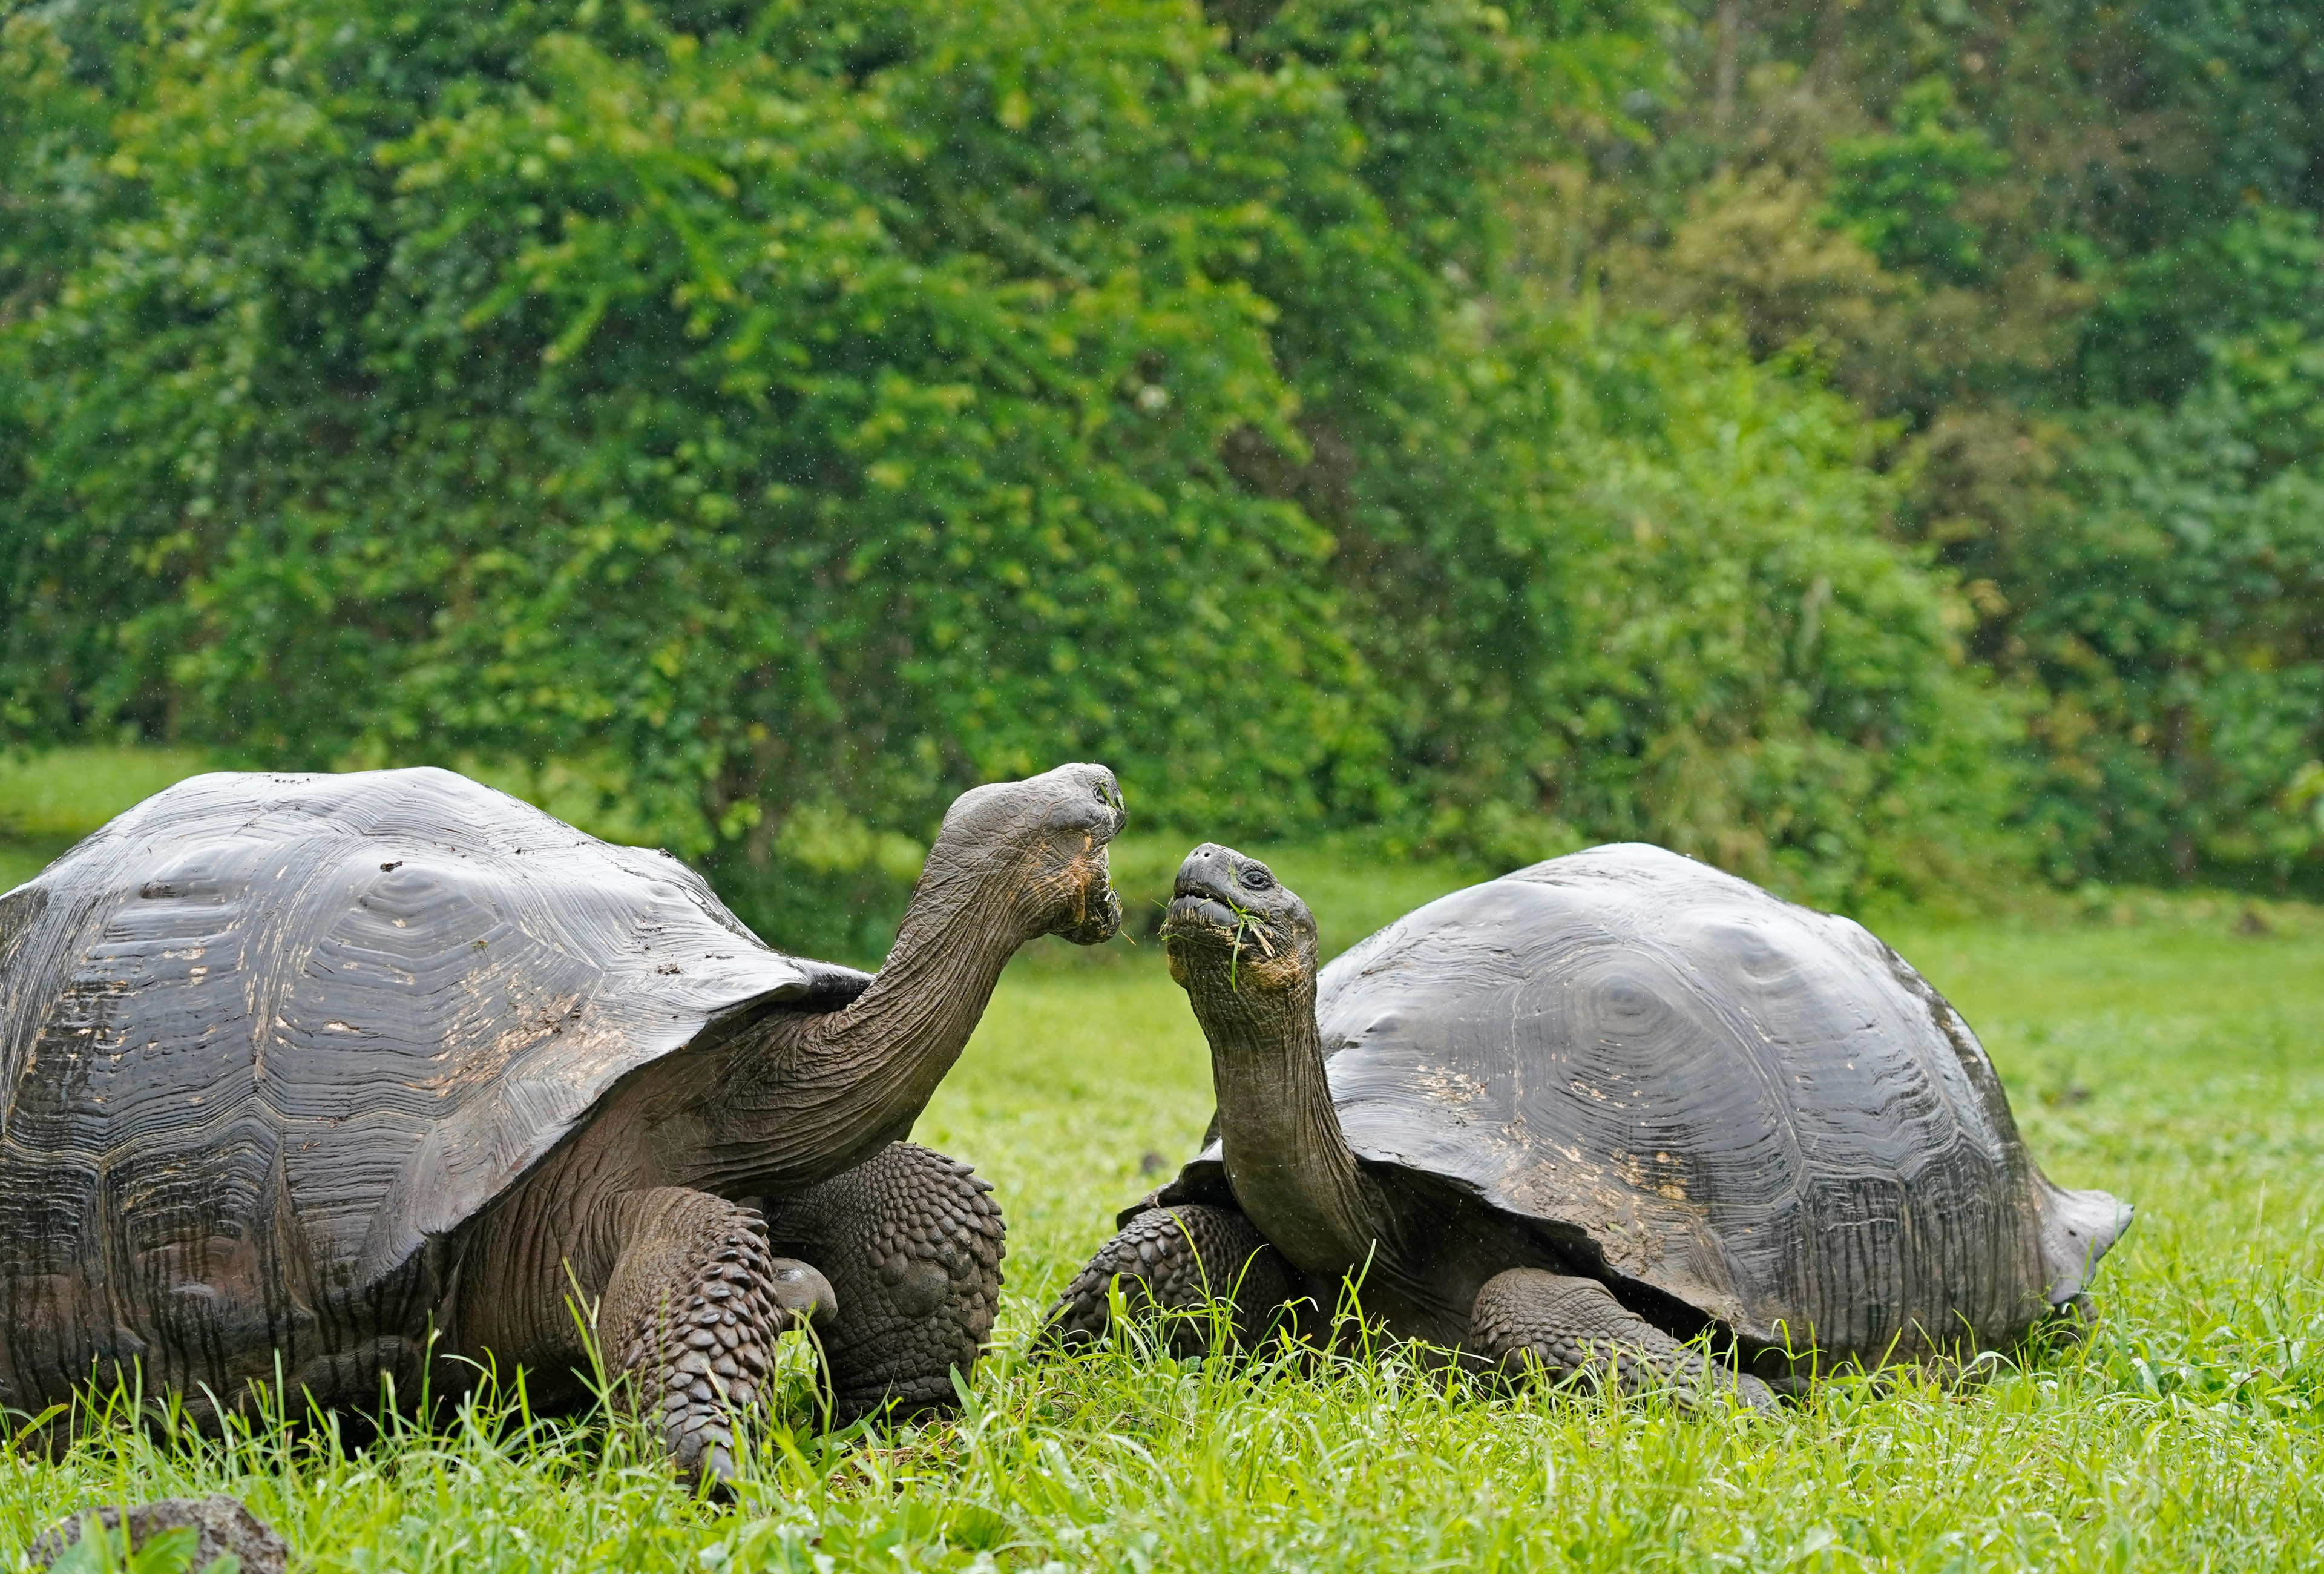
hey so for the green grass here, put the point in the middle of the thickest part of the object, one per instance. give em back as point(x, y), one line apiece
point(2154, 1051)
point(66, 794)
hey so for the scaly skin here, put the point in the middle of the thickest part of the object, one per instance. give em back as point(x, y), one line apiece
point(1565, 1328)
point(912, 1243)
point(1180, 1260)
point(689, 1321)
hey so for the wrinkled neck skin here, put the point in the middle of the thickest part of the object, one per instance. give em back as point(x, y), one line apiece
point(1291, 1168)
point(790, 1098)
point(856, 1079)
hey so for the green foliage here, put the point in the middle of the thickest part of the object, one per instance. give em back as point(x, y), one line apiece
point(747, 426)
point(2241, 302)
point(2184, 643)
point(766, 421)
point(674, 399)
point(1900, 191)
point(2072, 253)
point(1750, 672)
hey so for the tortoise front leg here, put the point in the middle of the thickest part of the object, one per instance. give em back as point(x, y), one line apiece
point(912, 1242)
point(1568, 1327)
point(1178, 1260)
point(691, 1314)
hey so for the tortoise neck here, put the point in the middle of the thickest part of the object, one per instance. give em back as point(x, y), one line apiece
point(1290, 1164)
point(807, 1097)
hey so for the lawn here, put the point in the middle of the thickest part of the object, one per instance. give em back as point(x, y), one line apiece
point(2154, 1049)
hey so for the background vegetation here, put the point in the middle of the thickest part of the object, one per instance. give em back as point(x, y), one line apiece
point(1873, 446)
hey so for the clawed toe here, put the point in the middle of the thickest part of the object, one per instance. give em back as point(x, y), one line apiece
point(700, 1301)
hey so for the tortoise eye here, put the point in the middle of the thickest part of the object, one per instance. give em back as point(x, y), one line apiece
point(1256, 879)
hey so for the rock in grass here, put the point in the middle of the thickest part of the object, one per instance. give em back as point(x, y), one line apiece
point(221, 1527)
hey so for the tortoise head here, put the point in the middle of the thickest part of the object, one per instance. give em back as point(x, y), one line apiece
point(1234, 929)
point(1050, 832)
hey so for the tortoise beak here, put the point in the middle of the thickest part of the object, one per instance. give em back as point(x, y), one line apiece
point(1199, 917)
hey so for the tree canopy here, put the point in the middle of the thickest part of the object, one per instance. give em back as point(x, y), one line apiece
point(2070, 251)
point(1855, 446)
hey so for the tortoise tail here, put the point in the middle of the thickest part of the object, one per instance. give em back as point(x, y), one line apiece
point(2077, 1228)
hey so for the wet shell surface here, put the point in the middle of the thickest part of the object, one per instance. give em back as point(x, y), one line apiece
point(267, 1041)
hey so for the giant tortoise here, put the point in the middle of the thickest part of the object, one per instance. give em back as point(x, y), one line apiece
point(1579, 1116)
point(303, 1076)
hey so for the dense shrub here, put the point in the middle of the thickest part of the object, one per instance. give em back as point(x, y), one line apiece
point(1749, 670)
point(747, 426)
point(2069, 256)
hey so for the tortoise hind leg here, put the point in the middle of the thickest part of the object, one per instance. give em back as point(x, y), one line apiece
point(691, 1313)
point(1570, 1327)
point(1178, 1260)
point(912, 1242)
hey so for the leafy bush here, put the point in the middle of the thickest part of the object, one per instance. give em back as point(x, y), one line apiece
point(2183, 635)
point(662, 396)
point(1744, 668)
point(748, 426)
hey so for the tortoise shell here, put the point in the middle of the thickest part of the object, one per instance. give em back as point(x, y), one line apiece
point(267, 1041)
point(1756, 1109)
